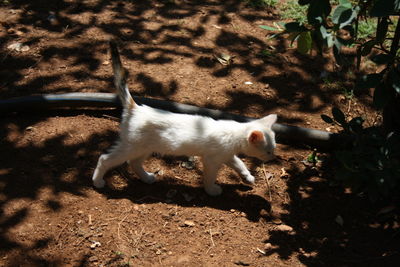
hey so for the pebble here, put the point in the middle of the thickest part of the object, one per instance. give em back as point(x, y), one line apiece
point(95, 244)
point(284, 227)
point(93, 259)
point(188, 223)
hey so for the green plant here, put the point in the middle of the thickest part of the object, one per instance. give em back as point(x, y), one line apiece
point(370, 163)
point(291, 10)
point(261, 3)
point(367, 28)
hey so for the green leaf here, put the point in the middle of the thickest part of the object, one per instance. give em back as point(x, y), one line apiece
point(345, 3)
point(356, 124)
point(338, 115)
point(381, 96)
point(318, 11)
point(382, 30)
point(343, 16)
point(268, 28)
point(369, 81)
point(382, 59)
point(304, 42)
point(304, 2)
point(367, 47)
point(294, 27)
point(385, 8)
point(395, 81)
point(292, 37)
point(326, 118)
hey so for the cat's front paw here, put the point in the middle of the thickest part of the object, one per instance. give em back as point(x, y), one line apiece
point(250, 179)
point(149, 178)
point(213, 190)
point(99, 183)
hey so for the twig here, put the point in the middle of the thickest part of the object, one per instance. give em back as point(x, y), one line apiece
point(268, 185)
point(140, 235)
point(111, 117)
point(59, 235)
point(211, 237)
point(83, 238)
point(119, 225)
point(62, 229)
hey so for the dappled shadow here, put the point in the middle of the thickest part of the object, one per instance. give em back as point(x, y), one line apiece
point(154, 33)
point(332, 227)
point(30, 165)
point(233, 197)
point(69, 53)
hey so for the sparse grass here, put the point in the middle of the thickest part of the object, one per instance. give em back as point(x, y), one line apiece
point(261, 3)
point(291, 10)
point(367, 28)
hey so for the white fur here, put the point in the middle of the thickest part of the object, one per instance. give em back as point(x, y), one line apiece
point(145, 130)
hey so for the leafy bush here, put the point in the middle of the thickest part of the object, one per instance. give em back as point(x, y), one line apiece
point(262, 3)
point(371, 162)
point(366, 28)
point(291, 10)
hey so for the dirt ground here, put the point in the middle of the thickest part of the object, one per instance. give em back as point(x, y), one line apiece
point(50, 215)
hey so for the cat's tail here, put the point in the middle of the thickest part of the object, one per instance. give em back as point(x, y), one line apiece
point(120, 77)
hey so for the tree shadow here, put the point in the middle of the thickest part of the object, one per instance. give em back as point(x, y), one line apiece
point(158, 34)
point(332, 227)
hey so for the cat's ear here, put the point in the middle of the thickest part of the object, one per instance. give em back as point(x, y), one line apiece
point(269, 120)
point(256, 137)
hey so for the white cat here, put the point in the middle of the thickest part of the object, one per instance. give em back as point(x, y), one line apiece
point(145, 130)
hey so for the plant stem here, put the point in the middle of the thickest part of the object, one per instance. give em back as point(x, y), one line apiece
point(396, 39)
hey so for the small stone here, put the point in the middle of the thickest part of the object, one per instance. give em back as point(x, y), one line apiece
point(93, 259)
point(95, 244)
point(339, 220)
point(187, 197)
point(276, 221)
point(188, 223)
point(284, 227)
point(106, 62)
point(268, 246)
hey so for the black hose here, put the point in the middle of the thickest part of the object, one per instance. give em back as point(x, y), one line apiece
point(285, 133)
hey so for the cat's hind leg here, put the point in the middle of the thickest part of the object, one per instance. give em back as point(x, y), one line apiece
point(107, 161)
point(238, 165)
point(136, 165)
point(209, 177)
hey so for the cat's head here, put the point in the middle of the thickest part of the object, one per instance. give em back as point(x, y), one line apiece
point(261, 138)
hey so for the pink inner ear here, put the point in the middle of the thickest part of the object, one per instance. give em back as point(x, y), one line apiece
point(256, 137)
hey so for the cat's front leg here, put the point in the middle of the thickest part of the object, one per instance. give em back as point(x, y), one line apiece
point(238, 165)
point(209, 177)
point(106, 162)
point(146, 177)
